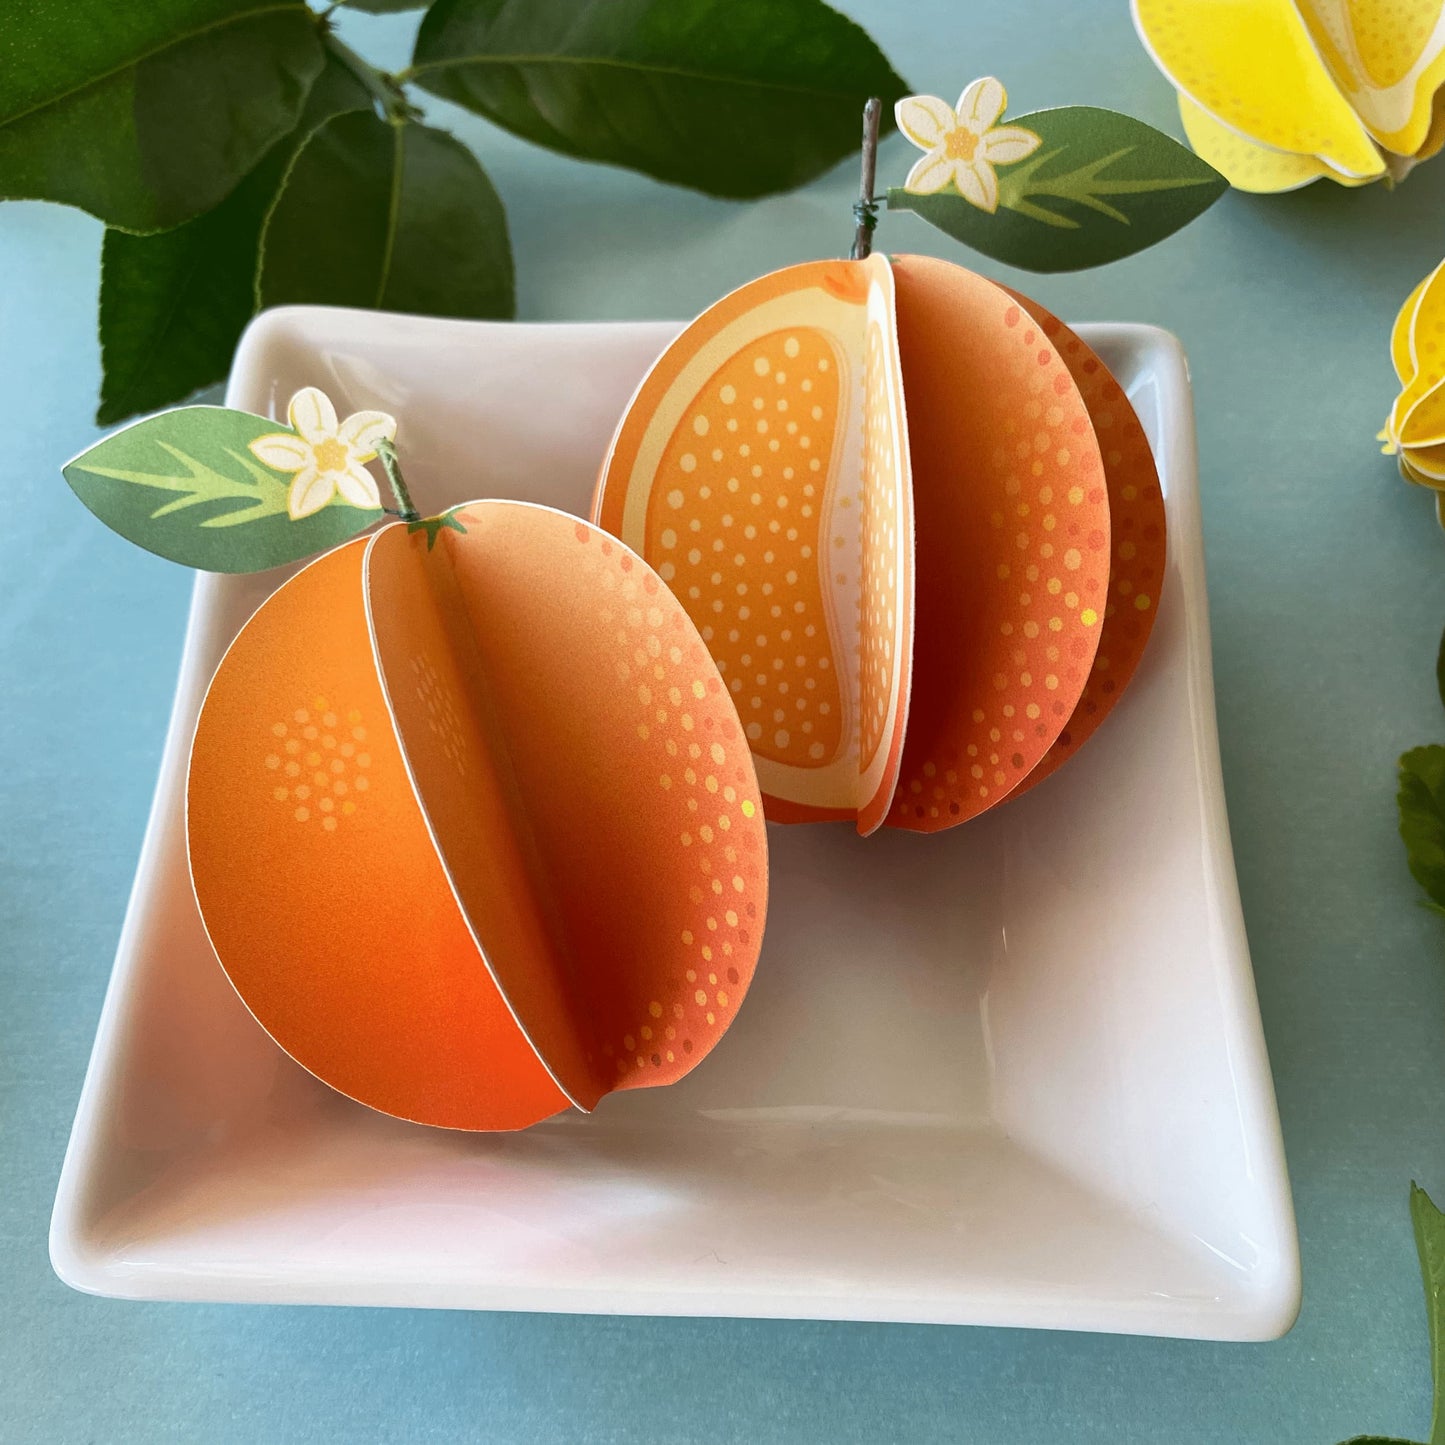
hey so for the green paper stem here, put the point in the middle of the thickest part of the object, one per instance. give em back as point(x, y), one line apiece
point(386, 454)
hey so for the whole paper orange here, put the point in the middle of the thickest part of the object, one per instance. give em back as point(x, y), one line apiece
point(784, 458)
point(473, 825)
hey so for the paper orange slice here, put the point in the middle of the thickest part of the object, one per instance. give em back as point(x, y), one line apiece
point(763, 469)
point(473, 825)
point(911, 389)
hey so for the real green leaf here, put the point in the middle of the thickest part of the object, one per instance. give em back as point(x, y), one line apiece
point(146, 115)
point(173, 305)
point(185, 486)
point(384, 7)
point(733, 97)
point(1440, 670)
point(1100, 186)
point(395, 216)
point(1422, 818)
point(1430, 1243)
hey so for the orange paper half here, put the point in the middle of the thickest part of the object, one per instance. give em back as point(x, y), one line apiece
point(545, 876)
point(763, 469)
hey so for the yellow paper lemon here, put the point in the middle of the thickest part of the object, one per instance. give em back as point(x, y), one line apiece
point(1277, 93)
point(1415, 429)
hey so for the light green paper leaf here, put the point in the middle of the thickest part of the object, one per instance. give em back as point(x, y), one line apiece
point(411, 223)
point(173, 305)
point(1100, 186)
point(733, 97)
point(1430, 1242)
point(185, 486)
point(1422, 817)
point(146, 114)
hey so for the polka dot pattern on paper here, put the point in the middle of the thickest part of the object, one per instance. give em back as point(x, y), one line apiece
point(735, 528)
point(316, 764)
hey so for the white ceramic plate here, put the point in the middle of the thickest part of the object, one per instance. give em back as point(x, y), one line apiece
point(1011, 1074)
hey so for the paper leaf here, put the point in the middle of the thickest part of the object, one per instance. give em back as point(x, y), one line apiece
point(510, 743)
point(411, 224)
point(173, 305)
point(1100, 186)
point(1422, 818)
point(185, 485)
point(148, 114)
point(733, 97)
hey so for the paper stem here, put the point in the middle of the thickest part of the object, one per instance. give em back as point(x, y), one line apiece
point(865, 210)
point(386, 455)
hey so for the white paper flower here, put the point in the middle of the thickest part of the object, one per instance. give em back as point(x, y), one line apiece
point(327, 458)
point(963, 143)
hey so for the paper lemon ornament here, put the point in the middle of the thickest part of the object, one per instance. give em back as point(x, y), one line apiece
point(1277, 93)
point(1415, 428)
point(883, 492)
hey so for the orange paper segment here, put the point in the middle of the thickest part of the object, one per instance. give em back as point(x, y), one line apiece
point(573, 744)
point(1013, 532)
point(318, 883)
point(763, 469)
point(1137, 531)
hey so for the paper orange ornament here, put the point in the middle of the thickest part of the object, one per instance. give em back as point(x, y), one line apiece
point(883, 489)
point(473, 825)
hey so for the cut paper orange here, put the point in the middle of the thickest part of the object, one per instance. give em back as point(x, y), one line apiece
point(763, 469)
point(473, 825)
point(965, 416)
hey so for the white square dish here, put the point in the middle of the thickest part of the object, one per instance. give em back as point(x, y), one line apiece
point(992, 1076)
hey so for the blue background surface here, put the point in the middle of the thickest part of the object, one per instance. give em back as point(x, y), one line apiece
point(1327, 578)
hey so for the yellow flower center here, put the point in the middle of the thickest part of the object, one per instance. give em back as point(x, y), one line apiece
point(330, 455)
point(961, 144)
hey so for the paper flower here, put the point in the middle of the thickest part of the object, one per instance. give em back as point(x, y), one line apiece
point(1415, 429)
point(326, 457)
point(963, 143)
point(1276, 93)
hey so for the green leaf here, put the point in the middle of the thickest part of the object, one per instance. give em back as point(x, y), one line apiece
point(147, 114)
point(733, 97)
point(395, 216)
point(1422, 817)
point(384, 7)
point(185, 486)
point(1440, 670)
point(1430, 1243)
point(1100, 186)
point(173, 305)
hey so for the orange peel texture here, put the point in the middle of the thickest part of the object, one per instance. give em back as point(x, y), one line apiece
point(473, 825)
point(883, 491)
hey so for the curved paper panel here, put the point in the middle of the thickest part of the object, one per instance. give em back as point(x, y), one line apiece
point(318, 883)
point(587, 781)
point(1012, 523)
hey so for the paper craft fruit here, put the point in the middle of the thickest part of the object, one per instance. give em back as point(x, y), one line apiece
point(473, 826)
point(1415, 429)
point(1278, 93)
point(915, 520)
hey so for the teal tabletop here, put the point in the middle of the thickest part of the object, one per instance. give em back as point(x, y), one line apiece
point(1327, 588)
